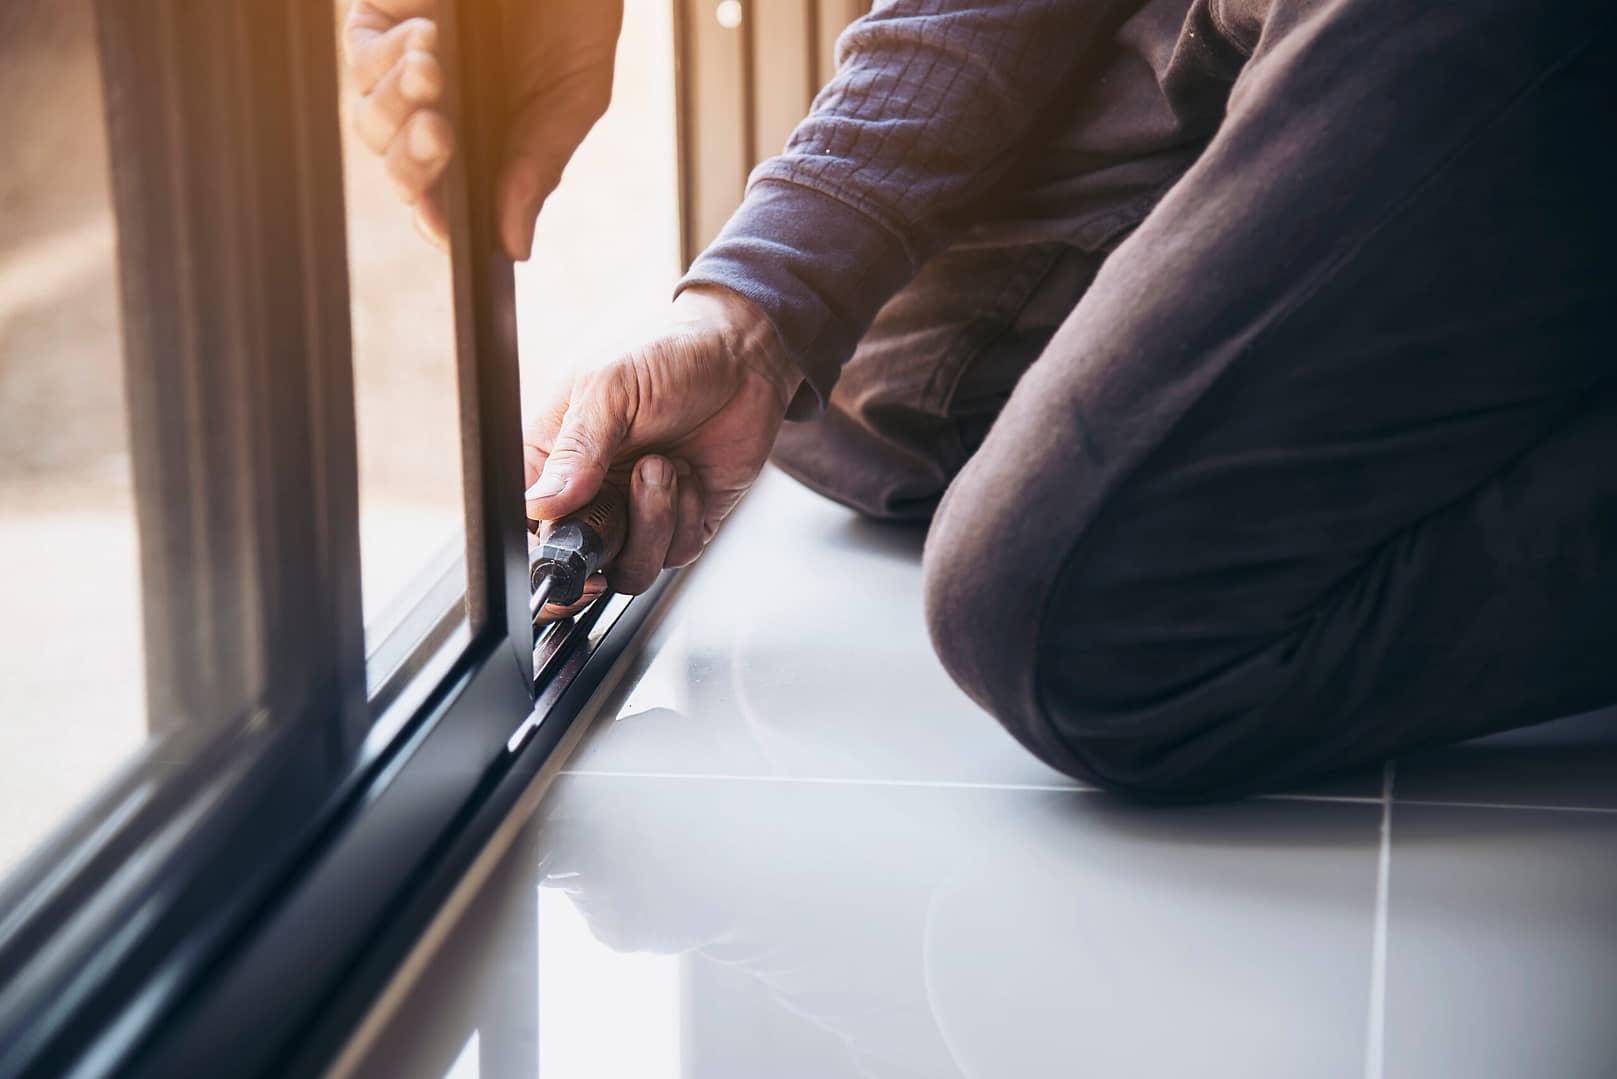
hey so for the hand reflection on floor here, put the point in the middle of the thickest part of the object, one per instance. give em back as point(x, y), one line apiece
point(954, 932)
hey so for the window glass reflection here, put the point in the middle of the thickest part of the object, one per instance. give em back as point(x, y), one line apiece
point(411, 502)
point(606, 248)
point(72, 676)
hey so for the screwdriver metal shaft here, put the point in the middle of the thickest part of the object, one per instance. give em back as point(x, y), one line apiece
point(541, 596)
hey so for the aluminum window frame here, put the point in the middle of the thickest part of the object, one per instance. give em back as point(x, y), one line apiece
point(238, 898)
point(261, 865)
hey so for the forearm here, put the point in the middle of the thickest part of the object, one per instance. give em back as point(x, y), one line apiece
point(931, 102)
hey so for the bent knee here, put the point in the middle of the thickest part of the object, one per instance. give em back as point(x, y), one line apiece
point(1114, 717)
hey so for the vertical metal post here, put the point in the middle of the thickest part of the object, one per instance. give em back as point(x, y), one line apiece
point(741, 89)
point(486, 332)
point(783, 84)
point(234, 283)
point(714, 127)
point(831, 16)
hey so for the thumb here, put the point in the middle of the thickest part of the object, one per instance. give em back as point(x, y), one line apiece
point(544, 134)
point(524, 183)
point(576, 464)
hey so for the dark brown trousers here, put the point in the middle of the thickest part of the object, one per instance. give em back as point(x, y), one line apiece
point(1319, 464)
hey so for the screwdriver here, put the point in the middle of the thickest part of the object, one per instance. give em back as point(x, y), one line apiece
point(572, 549)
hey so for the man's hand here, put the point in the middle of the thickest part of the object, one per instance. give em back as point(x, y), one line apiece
point(685, 421)
point(559, 65)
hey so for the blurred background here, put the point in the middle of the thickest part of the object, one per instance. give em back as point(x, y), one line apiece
point(72, 694)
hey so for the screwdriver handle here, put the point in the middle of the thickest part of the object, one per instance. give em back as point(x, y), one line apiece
point(608, 517)
point(572, 549)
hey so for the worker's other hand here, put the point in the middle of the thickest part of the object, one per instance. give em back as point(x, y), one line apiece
point(690, 416)
point(559, 70)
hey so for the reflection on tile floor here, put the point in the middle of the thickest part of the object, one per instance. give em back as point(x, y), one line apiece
point(1567, 762)
point(792, 849)
point(1502, 958)
point(797, 649)
point(732, 928)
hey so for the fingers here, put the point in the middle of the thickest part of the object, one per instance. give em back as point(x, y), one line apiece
point(533, 463)
point(417, 155)
point(520, 193)
point(690, 532)
point(414, 82)
point(374, 38)
point(660, 490)
point(538, 435)
point(595, 420)
point(415, 140)
point(392, 55)
point(543, 138)
point(432, 218)
point(660, 495)
point(652, 516)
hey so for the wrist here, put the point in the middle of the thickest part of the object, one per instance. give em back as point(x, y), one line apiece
point(748, 331)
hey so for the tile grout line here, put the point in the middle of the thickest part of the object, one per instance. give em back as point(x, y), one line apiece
point(1376, 1037)
point(836, 781)
point(930, 784)
point(1338, 799)
point(1526, 806)
point(966, 784)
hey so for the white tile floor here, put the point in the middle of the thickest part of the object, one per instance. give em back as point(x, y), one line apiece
point(794, 849)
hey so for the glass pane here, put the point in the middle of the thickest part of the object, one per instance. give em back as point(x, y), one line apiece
point(606, 249)
point(412, 509)
point(72, 687)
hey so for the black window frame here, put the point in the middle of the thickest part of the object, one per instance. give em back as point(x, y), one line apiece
point(232, 901)
point(237, 899)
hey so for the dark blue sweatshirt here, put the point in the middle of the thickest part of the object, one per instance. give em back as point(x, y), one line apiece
point(930, 106)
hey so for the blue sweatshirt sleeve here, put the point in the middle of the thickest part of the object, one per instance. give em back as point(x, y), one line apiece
point(930, 104)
